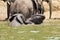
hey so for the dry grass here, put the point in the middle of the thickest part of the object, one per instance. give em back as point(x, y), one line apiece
point(48, 30)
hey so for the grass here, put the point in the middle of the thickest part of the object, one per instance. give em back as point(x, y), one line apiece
point(48, 30)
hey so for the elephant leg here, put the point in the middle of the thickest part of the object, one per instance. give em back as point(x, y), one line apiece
point(40, 9)
point(8, 11)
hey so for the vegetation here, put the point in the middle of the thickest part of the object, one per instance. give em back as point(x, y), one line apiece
point(48, 30)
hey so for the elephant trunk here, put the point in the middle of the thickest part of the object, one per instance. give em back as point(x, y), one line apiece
point(50, 6)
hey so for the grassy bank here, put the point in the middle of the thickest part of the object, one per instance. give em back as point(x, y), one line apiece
point(48, 30)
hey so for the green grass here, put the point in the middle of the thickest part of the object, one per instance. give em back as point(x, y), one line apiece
point(48, 30)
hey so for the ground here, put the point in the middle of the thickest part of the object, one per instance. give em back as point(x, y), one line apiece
point(48, 30)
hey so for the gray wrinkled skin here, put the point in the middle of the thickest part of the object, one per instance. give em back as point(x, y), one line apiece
point(23, 6)
point(14, 21)
point(36, 19)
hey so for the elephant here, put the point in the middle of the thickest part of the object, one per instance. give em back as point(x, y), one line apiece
point(25, 10)
point(39, 6)
point(33, 7)
point(18, 19)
